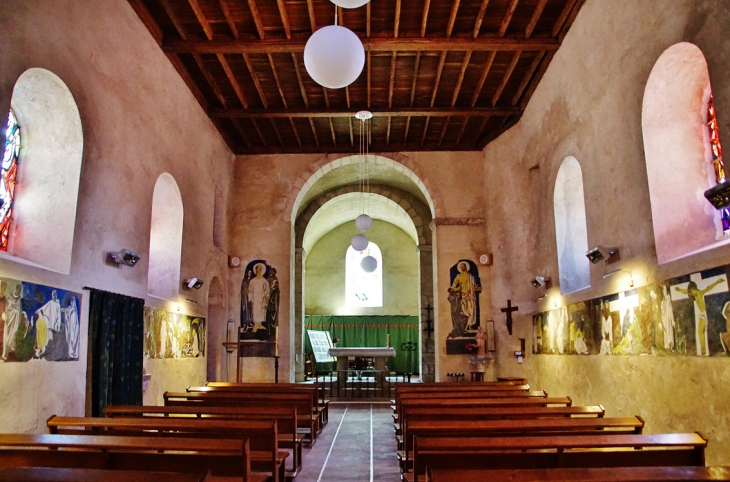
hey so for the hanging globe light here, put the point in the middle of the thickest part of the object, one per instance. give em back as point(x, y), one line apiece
point(359, 242)
point(369, 264)
point(364, 222)
point(334, 57)
point(350, 3)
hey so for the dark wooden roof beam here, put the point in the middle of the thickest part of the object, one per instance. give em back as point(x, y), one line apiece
point(278, 134)
point(232, 79)
point(393, 61)
point(424, 17)
point(276, 79)
point(312, 22)
point(229, 17)
point(332, 129)
point(209, 78)
point(256, 18)
point(452, 18)
point(258, 131)
point(296, 132)
point(256, 81)
point(462, 128)
point(396, 21)
point(284, 18)
point(443, 131)
point(201, 19)
point(462, 72)
point(535, 17)
point(174, 19)
point(563, 17)
point(480, 18)
point(505, 79)
point(149, 21)
point(314, 131)
point(508, 17)
point(299, 80)
point(241, 132)
point(483, 78)
point(339, 113)
point(527, 77)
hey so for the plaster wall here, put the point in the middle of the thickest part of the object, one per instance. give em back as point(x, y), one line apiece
point(264, 190)
point(139, 120)
point(325, 272)
point(588, 105)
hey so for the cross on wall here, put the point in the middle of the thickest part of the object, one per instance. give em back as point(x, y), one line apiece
point(508, 311)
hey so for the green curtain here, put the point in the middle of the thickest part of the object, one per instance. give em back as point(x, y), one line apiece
point(116, 324)
point(368, 331)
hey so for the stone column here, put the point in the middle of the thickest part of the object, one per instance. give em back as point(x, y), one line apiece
point(427, 310)
point(299, 314)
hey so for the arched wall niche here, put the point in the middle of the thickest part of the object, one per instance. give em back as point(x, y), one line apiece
point(678, 165)
point(49, 166)
point(166, 230)
point(571, 231)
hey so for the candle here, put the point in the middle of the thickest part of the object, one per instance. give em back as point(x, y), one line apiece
point(388, 344)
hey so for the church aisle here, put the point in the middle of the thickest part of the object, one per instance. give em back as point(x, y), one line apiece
point(356, 445)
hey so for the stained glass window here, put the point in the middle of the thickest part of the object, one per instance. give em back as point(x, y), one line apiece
point(9, 169)
point(717, 159)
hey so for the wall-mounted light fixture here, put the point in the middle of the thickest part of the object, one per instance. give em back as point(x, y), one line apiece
point(539, 281)
point(125, 257)
point(193, 283)
point(616, 271)
point(600, 253)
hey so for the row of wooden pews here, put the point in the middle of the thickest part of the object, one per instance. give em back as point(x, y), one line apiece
point(505, 430)
point(252, 432)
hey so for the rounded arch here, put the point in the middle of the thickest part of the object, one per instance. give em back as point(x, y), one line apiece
point(166, 230)
point(678, 160)
point(571, 229)
point(49, 167)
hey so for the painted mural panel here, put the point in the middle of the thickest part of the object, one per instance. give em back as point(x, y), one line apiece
point(260, 294)
point(687, 315)
point(172, 335)
point(38, 322)
point(463, 295)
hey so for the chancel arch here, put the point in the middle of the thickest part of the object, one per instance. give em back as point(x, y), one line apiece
point(41, 231)
point(679, 160)
point(571, 231)
point(166, 230)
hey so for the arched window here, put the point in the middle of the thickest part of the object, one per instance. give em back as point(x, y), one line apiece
point(571, 232)
point(166, 230)
point(716, 158)
point(363, 289)
point(9, 169)
point(680, 154)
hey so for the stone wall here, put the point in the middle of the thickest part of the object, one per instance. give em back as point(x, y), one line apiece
point(588, 105)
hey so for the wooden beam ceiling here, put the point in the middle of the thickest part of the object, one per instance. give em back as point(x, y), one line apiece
point(446, 75)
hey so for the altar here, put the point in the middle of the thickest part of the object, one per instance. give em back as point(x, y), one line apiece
point(378, 354)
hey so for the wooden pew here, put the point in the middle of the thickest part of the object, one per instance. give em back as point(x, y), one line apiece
point(46, 474)
point(286, 420)
point(164, 454)
point(592, 474)
point(307, 414)
point(262, 434)
point(565, 451)
point(526, 427)
point(323, 401)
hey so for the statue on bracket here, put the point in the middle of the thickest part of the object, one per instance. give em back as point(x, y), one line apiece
point(464, 289)
point(259, 301)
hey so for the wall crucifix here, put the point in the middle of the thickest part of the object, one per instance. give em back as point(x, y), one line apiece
point(508, 310)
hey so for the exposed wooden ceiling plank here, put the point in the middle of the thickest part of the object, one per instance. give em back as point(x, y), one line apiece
point(314, 132)
point(242, 132)
point(352, 137)
point(347, 96)
point(258, 131)
point(425, 130)
point(508, 17)
point(387, 137)
point(393, 60)
point(229, 17)
point(396, 21)
point(232, 79)
point(339, 113)
point(485, 73)
point(480, 18)
point(480, 129)
point(408, 126)
point(276, 79)
point(284, 18)
point(257, 18)
point(443, 131)
point(415, 78)
point(424, 18)
point(527, 77)
point(505, 79)
point(563, 17)
point(439, 70)
point(332, 129)
point(460, 80)
point(299, 80)
point(209, 78)
point(183, 71)
point(369, 71)
point(201, 18)
point(326, 97)
point(147, 19)
point(377, 44)
point(460, 134)
point(174, 19)
point(312, 22)
point(296, 132)
point(329, 149)
point(340, 16)
point(276, 131)
point(367, 27)
point(452, 18)
point(535, 17)
point(256, 81)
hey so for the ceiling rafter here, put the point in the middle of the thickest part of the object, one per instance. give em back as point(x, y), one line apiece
point(226, 8)
point(393, 61)
point(424, 17)
point(174, 19)
point(312, 21)
point(480, 18)
point(284, 18)
point(338, 113)
point(563, 17)
point(452, 18)
point(201, 18)
point(483, 78)
point(209, 78)
point(232, 79)
point(462, 128)
point(443, 131)
point(257, 18)
point(527, 77)
point(396, 20)
point(535, 17)
point(256, 81)
point(460, 79)
point(296, 132)
point(505, 79)
point(258, 131)
point(508, 17)
point(276, 79)
point(276, 131)
point(242, 132)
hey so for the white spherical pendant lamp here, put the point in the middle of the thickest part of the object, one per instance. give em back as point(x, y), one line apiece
point(359, 242)
point(364, 222)
point(350, 3)
point(369, 264)
point(334, 57)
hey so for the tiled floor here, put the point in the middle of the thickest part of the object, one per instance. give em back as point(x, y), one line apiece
point(356, 445)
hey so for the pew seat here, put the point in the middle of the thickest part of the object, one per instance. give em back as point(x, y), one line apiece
point(54, 474)
point(591, 474)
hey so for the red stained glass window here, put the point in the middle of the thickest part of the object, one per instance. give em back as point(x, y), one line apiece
point(9, 170)
point(717, 160)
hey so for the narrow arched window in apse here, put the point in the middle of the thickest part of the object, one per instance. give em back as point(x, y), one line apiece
point(717, 161)
point(9, 170)
point(166, 233)
point(571, 231)
point(363, 289)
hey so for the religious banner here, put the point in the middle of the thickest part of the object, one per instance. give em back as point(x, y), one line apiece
point(260, 295)
point(463, 295)
point(168, 334)
point(38, 322)
point(687, 315)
